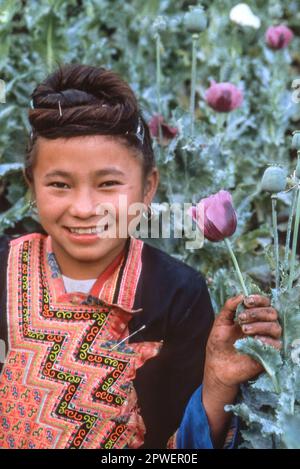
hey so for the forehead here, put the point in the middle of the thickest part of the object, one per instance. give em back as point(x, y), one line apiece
point(85, 154)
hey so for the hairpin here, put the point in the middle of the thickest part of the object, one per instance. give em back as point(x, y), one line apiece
point(59, 107)
point(140, 131)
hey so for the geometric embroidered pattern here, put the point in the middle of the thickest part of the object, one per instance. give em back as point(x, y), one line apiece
point(62, 386)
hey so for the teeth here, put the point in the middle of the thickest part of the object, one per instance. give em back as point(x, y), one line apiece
point(84, 230)
point(94, 230)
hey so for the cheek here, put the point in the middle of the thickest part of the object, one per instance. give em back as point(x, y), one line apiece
point(136, 193)
point(135, 201)
point(49, 214)
point(124, 199)
point(48, 206)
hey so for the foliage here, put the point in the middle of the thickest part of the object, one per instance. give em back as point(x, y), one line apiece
point(270, 405)
point(228, 151)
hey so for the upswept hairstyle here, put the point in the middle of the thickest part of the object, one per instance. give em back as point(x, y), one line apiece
point(78, 100)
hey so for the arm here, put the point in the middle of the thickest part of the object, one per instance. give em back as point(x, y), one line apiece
point(195, 432)
point(225, 368)
point(205, 422)
point(214, 398)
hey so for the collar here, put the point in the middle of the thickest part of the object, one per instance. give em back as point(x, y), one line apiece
point(116, 286)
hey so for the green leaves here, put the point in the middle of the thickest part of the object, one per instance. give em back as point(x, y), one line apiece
point(227, 152)
point(10, 168)
point(267, 425)
point(266, 355)
point(12, 216)
point(289, 311)
point(273, 416)
point(291, 431)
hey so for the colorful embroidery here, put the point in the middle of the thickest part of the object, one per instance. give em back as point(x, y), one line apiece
point(62, 386)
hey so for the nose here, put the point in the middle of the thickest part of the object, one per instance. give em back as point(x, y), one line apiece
point(83, 204)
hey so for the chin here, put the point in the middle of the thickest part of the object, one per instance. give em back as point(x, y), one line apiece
point(90, 252)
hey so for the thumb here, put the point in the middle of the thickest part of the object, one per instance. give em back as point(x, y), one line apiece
point(227, 313)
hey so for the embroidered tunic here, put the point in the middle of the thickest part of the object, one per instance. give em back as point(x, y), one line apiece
point(66, 383)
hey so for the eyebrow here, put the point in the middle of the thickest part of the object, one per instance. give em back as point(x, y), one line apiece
point(98, 173)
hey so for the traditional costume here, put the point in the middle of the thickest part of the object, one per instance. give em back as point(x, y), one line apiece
point(70, 380)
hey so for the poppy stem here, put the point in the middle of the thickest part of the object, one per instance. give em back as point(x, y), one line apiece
point(289, 229)
point(276, 245)
point(236, 266)
point(158, 83)
point(49, 45)
point(195, 38)
point(295, 239)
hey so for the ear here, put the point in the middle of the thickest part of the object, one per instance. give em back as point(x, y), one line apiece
point(150, 185)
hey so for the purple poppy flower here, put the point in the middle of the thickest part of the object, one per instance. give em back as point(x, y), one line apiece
point(168, 132)
point(223, 97)
point(278, 37)
point(215, 216)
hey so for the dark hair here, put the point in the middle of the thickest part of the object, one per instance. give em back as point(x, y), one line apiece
point(92, 101)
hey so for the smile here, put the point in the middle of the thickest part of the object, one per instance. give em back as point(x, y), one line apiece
point(90, 230)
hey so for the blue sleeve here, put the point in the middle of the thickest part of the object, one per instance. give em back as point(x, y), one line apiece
point(194, 431)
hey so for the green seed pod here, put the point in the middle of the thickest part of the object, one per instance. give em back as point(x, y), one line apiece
point(296, 140)
point(195, 20)
point(273, 180)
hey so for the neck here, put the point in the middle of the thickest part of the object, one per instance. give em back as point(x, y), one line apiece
point(78, 269)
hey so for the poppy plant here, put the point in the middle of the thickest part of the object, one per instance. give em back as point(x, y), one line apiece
point(278, 37)
point(216, 218)
point(223, 97)
point(168, 132)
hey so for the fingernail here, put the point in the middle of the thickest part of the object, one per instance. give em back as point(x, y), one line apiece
point(242, 316)
point(250, 300)
point(246, 328)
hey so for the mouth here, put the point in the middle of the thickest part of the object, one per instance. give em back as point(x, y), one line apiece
point(89, 230)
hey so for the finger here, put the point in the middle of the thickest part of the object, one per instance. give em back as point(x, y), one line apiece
point(227, 313)
point(271, 329)
point(256, 300)
point(267, 340)
point(258, 314)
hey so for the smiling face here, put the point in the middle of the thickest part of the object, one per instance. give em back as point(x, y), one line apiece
point(71, 179)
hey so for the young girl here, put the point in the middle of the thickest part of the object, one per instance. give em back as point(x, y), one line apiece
point(105, 335)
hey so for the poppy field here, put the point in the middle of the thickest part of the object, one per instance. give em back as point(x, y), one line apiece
point(219, 85)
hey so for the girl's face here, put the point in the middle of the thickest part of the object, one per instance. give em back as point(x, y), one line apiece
point(72, 178)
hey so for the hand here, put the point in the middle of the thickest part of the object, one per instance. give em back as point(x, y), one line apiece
point(224, 365)
point(225, 368)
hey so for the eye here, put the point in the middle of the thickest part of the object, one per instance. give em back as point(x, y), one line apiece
point(59, 185)
point(109, 183)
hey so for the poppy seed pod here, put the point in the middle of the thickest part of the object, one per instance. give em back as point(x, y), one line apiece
point(273, 180)
point(296, 140)
point(195, 20)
